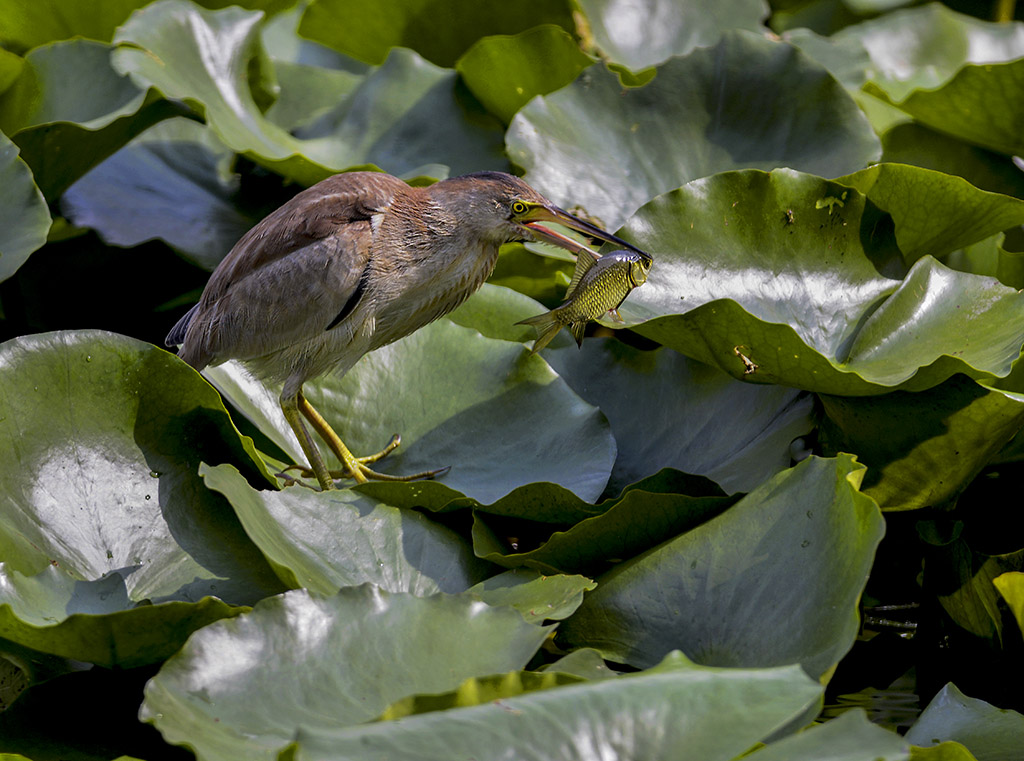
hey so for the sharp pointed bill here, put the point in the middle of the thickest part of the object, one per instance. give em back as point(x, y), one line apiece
point(599, 285)
point(540, 213)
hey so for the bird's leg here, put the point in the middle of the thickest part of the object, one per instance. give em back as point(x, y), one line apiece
point(355, 467)
point(290, 405)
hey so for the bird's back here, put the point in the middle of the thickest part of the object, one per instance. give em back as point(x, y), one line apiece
point(290, 275)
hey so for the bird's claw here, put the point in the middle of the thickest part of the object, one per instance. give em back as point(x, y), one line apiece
point(364, 473)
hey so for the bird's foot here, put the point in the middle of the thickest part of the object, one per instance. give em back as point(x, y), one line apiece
point(357, 469)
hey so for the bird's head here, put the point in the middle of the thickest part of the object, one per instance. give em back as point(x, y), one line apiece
point(503, 208)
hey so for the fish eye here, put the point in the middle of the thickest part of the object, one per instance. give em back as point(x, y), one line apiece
point(519, 208)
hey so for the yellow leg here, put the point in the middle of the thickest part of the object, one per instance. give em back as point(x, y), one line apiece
point(354, 467)
point(290, 407)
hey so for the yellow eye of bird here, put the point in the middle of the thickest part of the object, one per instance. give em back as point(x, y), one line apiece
point(519, 208)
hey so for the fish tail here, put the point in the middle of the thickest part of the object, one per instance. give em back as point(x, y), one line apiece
point(547, 327)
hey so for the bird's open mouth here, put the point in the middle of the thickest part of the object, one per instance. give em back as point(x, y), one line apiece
point(559, 216)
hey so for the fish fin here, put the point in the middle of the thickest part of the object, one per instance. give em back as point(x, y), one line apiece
point(547, 327)
point(585, 259)
point(578, 329)
point(615, 315)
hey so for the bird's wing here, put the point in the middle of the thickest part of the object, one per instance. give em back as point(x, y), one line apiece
point(319, 212)
point(293, 273)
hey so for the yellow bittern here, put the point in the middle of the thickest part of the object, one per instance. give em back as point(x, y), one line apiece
point(349, 265)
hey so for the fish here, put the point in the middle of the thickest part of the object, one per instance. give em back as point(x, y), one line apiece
point(599, 284)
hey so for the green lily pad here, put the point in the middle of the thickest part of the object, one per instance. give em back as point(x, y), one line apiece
point(850, 737)
point(913, 143)
point(330, 662)
point(543, 278)
point(585, 662)
point(640, 35)
point(51, 89)
point(948, 71)
point(307, 92)
point(649, 512)
point(505, 71)
point(96, 621)
point(922, 449)
point(947, 751)
point(69, 109)
point(612, 150)
point(323, 541)
point(973, 106)
point(655, 426)
point(30, 23)
point(635, 716)
point(479, 690)
point(439, 30)
point(787, 278)
point(204, 57)
point(990, 733)
point(494, 311)
point(406, 116)
point(102, 438)
point(538, 597)
point(11, 66)
point(500, 418)
point(961, 577)
point(1011, 587)
point(103, 435)
point(990, 257)
point(24, 216)
point(934, 213)
point(922, 48)
point(774, 579)
point(172, 182)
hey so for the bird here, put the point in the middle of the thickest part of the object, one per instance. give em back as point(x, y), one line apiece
point(351, 264)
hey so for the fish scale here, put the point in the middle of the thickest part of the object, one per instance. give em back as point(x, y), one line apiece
point(599, 285)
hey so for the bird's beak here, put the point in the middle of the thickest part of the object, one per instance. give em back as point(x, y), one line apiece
point(544, 213)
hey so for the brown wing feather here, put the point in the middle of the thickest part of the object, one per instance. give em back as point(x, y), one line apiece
point(292, 273)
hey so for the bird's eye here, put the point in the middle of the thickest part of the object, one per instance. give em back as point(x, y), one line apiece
point(519, 208)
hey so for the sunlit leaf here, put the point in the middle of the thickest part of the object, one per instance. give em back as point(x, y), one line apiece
point(774, 579)
point(948, 71)
point(102, 436)
point(324, 541)
point(204, 57)
point(639, 35)
point(330, 662)
point(788, 278)
point(96, 621)
point(746, 102)
point(636, 716)
point(477, 691)
point(923, 48)
point(538, 597)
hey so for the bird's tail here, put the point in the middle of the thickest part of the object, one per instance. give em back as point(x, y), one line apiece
point(547, 327)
